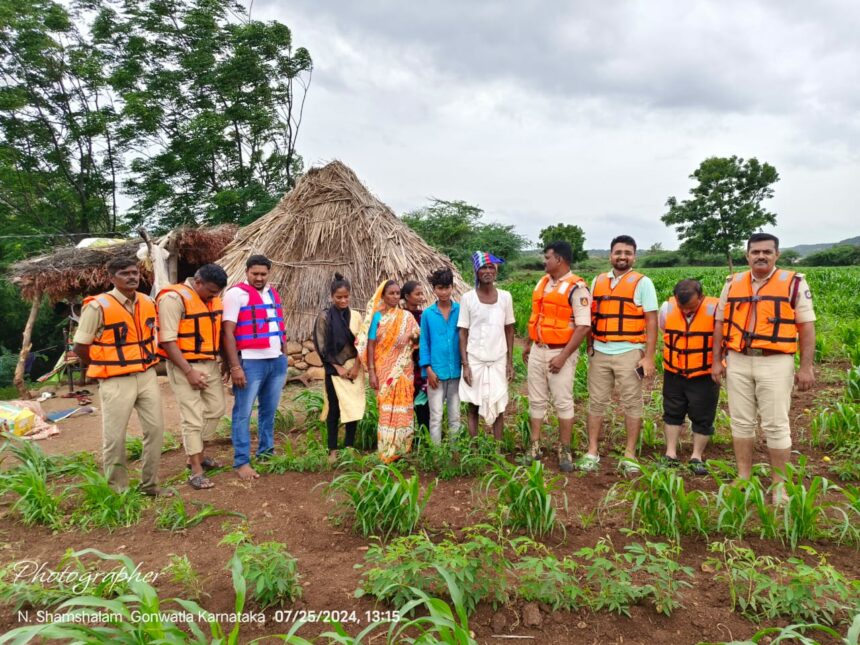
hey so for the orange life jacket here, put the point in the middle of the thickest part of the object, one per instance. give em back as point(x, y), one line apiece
point(199, 334)
point(127, 343)
point(551, 312)
point(688, 345)
point(614, 315)
point(773, 304)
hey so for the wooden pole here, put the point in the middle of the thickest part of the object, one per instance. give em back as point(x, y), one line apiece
point(18, 380)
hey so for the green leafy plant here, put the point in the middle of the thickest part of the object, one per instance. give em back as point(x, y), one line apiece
point(134, 448)
point(763, 587)
point(36, 502)
point(739, 504)
point(805, 514)
point(308, 456)
point(523, 497)
point(544, 578)
point(174, 515)
point(477, 566)
point(182, 572)
point(609, 581)
point(382, 501)
point(270, 572)
point(658, 562)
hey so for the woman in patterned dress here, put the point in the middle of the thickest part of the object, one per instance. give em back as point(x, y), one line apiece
point(385, 343)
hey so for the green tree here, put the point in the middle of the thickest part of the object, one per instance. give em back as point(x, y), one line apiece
point(570, 233)
point(725, 207)
point(213, 101)
point(59, 154)
point(457, 229)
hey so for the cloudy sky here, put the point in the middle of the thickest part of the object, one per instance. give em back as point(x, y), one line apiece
point(589, 112)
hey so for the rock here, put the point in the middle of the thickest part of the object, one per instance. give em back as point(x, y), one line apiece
point(308, 345)
point(315, 373)
point(531, 615)
point(293, 347)
point(499, 622)
point(312, 358)
point(301, 365)
point(293, 371)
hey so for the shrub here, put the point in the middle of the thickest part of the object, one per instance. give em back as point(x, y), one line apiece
point(477, 566)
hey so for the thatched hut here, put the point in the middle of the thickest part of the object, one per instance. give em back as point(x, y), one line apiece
point(71, 273)
point(331, 222)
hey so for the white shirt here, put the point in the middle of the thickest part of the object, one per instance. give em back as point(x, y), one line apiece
point(486, 325)
point(234, 299)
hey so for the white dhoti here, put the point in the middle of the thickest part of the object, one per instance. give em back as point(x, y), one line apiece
point(489, 389)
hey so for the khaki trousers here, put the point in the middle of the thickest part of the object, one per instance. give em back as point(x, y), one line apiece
point(544, 385)
point(120, 395)
point(199, 410)
point(760, 386)
point(605, 371)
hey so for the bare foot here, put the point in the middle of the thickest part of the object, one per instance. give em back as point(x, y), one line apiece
point(246, 472)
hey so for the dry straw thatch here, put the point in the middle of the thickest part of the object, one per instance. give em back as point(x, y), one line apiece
point(330, 223)
point(69, 272)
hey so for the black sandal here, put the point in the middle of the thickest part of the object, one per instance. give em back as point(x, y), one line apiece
point(200, 482)
point(208, 464)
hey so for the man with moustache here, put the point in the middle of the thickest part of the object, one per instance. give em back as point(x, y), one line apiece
point(254, 342)
point(622, 345)
point(486, 328)
point(766, 315)
point(116, 342)
point(560, 321)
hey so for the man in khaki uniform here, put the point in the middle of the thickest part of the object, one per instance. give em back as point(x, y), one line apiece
point(189, 336)
point(559, 322)
point(116, 342)
point(767, 315)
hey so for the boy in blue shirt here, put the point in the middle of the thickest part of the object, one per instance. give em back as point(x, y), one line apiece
point(439, 355)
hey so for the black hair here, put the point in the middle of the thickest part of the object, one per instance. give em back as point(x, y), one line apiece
point(213, 274)
point(686, 289)
point(763, 237)
point(562, 249)
point(443, 277)
point(118, 264)
point(258, 260)
point(387, 284)
point(340, 282)
point(622, 239)
point(408, 287)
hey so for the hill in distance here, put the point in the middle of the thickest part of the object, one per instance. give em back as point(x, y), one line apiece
point(802, 249)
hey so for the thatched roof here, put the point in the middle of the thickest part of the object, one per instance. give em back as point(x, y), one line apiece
point(331, 222)
point(70, 272)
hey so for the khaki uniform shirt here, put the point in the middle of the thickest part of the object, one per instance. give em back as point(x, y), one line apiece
point(171, 308)
point(579, 298)
point(91, 325)
point(803, 311)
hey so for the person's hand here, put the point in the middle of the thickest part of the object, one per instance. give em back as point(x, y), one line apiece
point(805, 378)
point(72, 358)
point(197, 380)
point(509, 371)
point(352, 374)
point(467, 375)
point(648, 367)
point(432, 379)
point(557, 363)
point(717, 371)
point(237, 375)
point(341, 371)
point(374, 382)
point(526, 352)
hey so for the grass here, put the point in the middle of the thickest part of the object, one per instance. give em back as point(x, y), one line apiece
point(101, 506)
point(523, 497)
point(174, 515)
point(381, 502)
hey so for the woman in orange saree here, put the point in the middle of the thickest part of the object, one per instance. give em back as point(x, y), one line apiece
point(385, 343)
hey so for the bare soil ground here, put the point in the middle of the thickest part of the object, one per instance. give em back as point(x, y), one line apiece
point(292, 509)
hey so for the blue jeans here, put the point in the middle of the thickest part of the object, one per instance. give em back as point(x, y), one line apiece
point(265, 379)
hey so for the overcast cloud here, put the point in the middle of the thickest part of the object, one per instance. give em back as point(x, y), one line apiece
point(589, 112)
